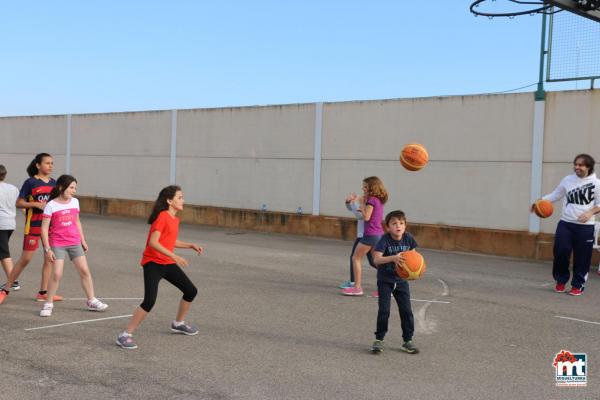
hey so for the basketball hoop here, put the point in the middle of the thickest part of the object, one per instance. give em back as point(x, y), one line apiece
point(544, 8)
point(586, 8)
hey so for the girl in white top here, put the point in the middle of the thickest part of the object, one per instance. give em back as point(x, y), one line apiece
point(8, 213)
point(62, 235)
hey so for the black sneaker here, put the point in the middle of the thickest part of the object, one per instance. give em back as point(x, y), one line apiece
point(14, 286)
point(409, 347)
point(377, 347)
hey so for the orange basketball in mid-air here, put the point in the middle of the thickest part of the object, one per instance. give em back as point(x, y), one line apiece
point(413, 266)
point(543, 208)
point(414, 156)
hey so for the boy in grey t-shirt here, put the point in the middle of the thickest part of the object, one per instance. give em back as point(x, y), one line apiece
point(8, 213)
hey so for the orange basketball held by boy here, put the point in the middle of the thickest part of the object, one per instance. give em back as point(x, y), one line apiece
point(543, 208)
point(413, 266)
point(414, 156)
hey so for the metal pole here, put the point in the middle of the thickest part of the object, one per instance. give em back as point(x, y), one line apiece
point(537, 139)
point(540, 94)
point(318, 133)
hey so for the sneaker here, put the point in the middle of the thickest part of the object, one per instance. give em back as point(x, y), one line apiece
point(44, 297)
point(375, 294)
point(353, 291)
point(46, 310)
point(560, 288)
point(347, 284)
point(576, 291)
point(96, 305)
point(14, 286)
point(126, 342)
point(377, 347)
point(185, 329)
point(3, 295)
point(409, 347)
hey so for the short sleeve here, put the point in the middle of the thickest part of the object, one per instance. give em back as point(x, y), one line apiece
point(25, 189)
point(160, 224)
point(48, 210)
point(373, 201)
point(76, 203)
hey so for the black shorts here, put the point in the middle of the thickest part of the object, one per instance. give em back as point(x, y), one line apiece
point(4, 249)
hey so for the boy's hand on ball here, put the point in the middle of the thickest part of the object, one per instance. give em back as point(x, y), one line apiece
point(399, 258)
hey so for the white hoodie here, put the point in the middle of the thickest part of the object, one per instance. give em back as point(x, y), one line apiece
point(579, 195)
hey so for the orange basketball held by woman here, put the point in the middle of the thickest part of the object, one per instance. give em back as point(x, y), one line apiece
point(543, 208)
point(414, 156)
point(413, 266)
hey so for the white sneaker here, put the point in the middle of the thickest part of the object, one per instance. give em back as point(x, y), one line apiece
point(96, 305)
point(46, 310)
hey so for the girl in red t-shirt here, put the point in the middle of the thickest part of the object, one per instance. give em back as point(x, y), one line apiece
point(159, 262)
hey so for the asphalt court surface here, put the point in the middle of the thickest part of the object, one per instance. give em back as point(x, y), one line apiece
point(273, 325)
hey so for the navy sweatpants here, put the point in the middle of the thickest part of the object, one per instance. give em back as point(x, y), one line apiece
point(401, 293)
point(579, 240)
point(369, 257)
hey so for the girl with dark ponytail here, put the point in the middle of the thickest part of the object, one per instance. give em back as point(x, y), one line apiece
point(159, 261)
point(62, 236)
point(33, 197)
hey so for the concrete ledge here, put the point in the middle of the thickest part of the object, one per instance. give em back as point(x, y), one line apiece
point(453, 238)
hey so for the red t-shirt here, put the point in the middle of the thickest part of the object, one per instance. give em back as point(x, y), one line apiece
point(168, 226)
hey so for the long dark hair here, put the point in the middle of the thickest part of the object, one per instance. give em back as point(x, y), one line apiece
point(32, 169)
point(587, 160)
point(161, 204)
point(62, 183)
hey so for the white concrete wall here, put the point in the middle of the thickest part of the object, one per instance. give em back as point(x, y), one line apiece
point(478, 175)
point(479, 146)
point(124, 155)
point(247, 157)
point(22, 138)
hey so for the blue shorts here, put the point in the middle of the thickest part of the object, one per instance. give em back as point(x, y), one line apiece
point(370, 240)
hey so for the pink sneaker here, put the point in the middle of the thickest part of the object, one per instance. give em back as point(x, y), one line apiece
point(375, 294)
point(352, 291)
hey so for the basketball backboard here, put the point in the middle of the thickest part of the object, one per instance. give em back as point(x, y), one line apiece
point(586, 8)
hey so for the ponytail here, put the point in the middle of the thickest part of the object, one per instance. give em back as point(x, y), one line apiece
point(32, 169)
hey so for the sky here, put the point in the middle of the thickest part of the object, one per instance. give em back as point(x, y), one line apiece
point(61, 57)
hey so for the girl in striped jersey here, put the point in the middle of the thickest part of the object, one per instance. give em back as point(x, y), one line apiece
point(33, 197)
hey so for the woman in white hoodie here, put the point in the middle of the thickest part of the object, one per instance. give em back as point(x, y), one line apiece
point(580, 193)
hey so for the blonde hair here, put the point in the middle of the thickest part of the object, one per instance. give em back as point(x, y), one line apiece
point(375, 188)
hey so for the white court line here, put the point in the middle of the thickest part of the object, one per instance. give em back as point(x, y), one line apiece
point(578, 320)
point(78, 322)
point(446, 291)
point(107, 298)
point(431, 301)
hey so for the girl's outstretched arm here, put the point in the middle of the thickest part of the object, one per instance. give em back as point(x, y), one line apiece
point(186, 245)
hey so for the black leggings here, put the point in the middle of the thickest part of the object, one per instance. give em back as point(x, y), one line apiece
point(153, 273)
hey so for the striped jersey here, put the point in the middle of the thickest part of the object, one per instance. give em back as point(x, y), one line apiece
point(35, 189)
